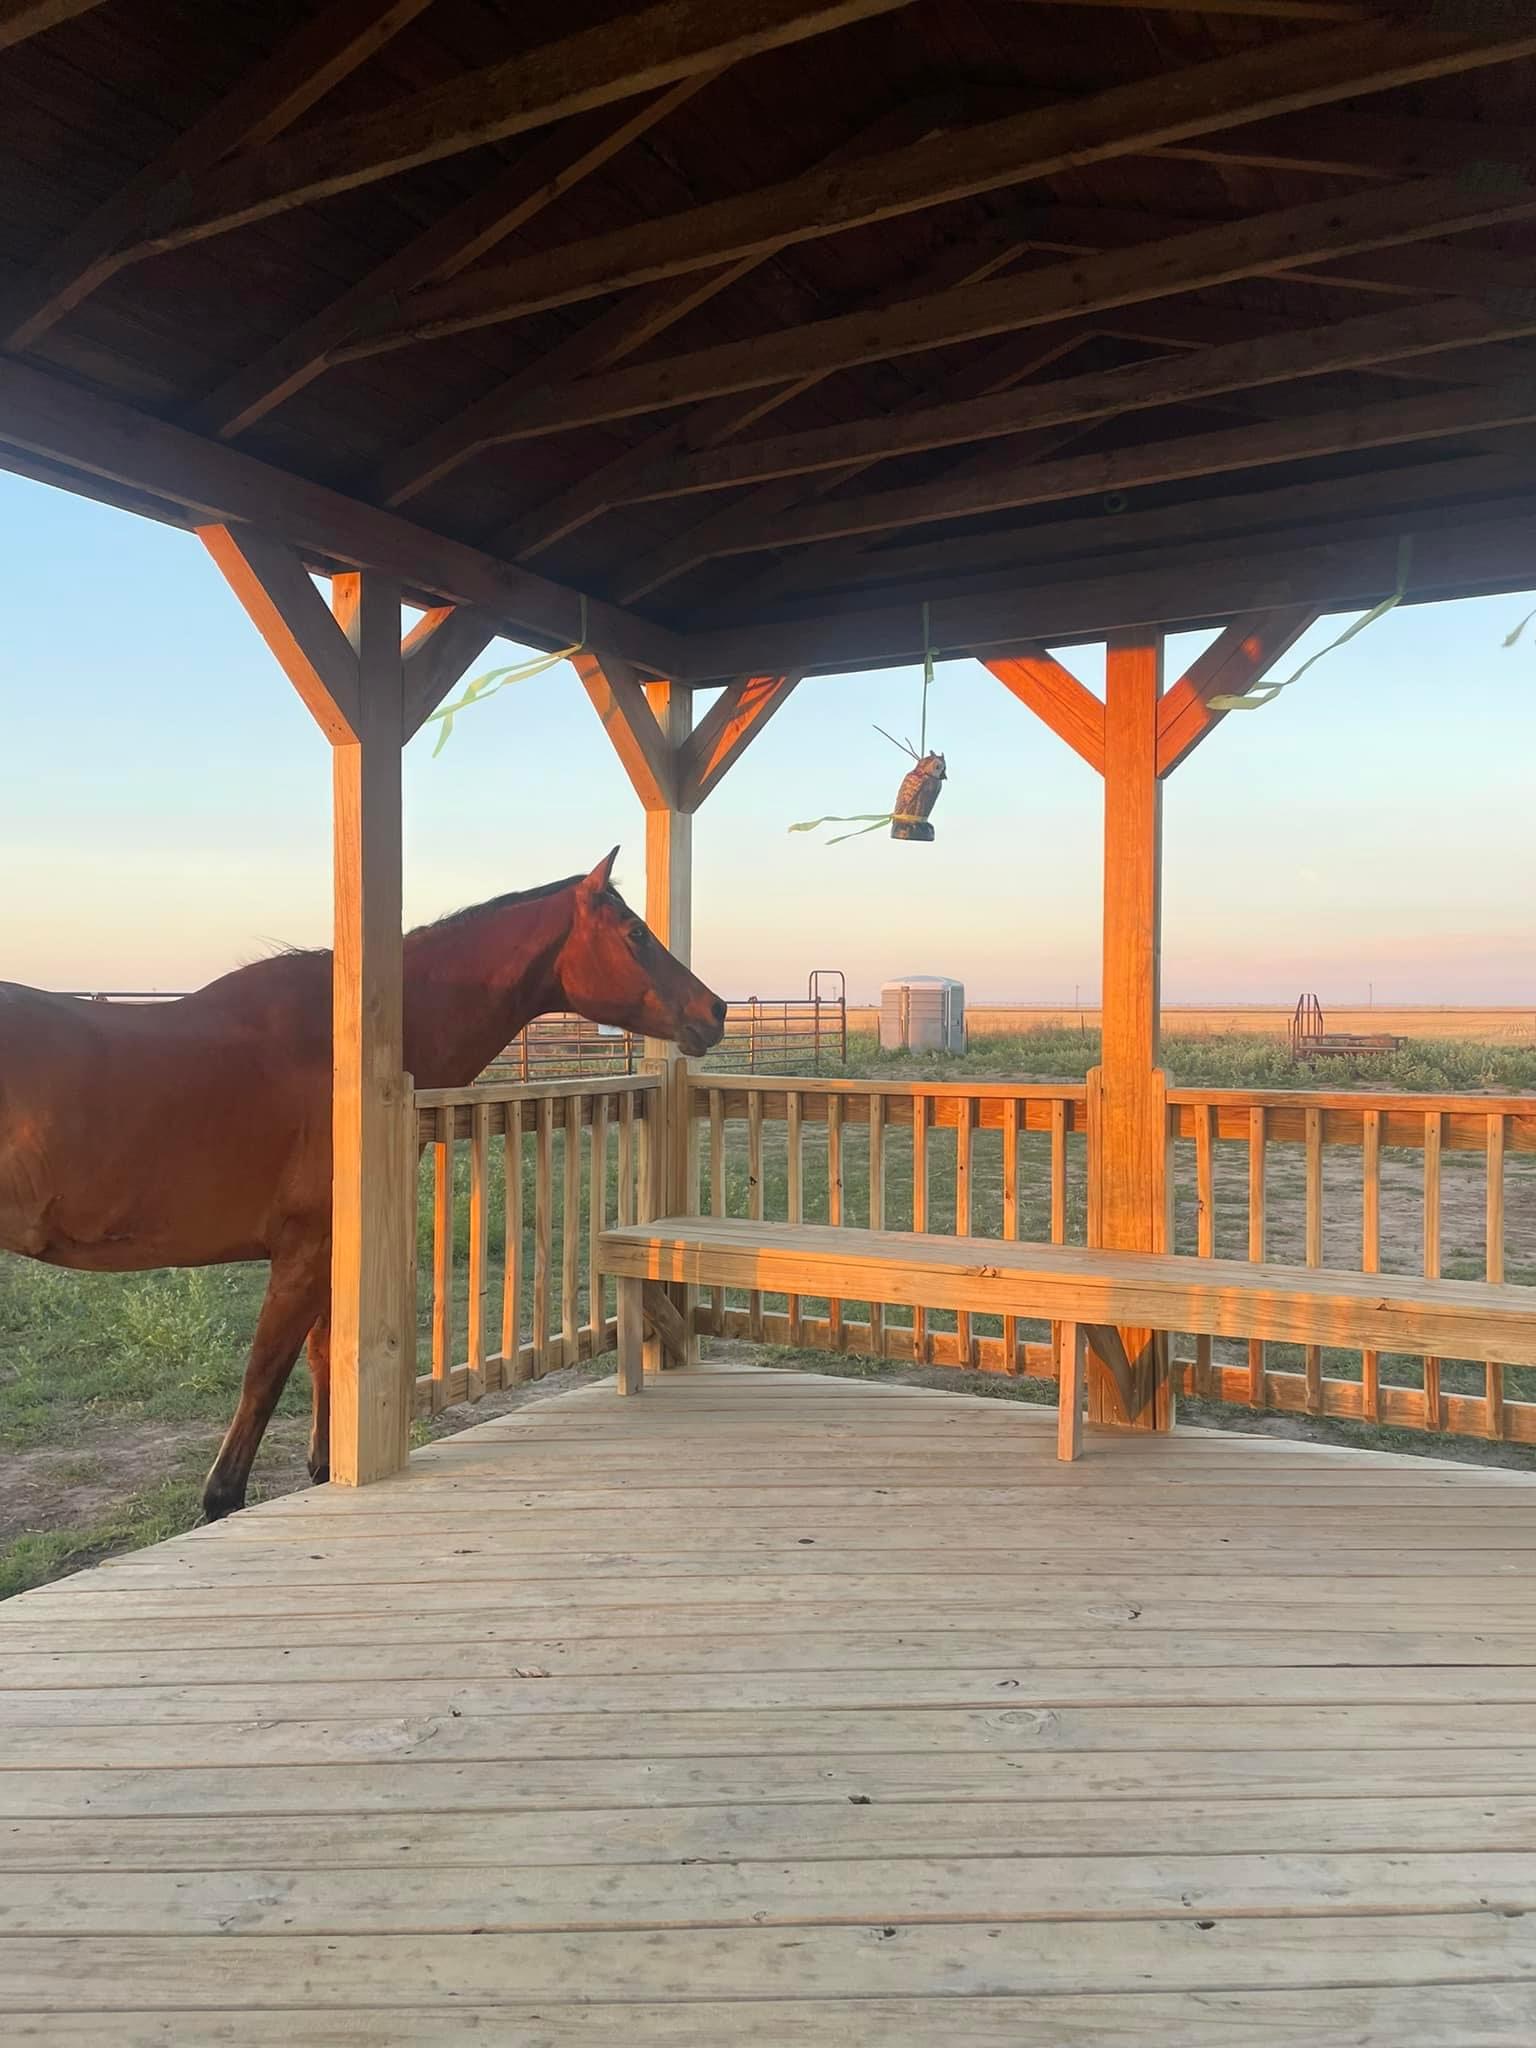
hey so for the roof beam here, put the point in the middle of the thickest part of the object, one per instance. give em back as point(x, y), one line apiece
point(1370, 219)
point(1192, 586)
point(1275, 78)
point(556, 163)
point(1268, 516)
point(22, 19)
point(611, 337)
point(1361, 144)
point(638, 52)
point(46, 415)
point(1240, 366)
point(271, 96)
point(1072, 711)
point(1349, 429)
point(1239, 658)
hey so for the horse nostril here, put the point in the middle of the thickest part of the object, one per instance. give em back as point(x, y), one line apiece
point(717, 1010)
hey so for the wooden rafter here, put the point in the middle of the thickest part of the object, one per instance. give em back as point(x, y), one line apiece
point(267, 100)
point(1277, 77)
point(1271, 242)
point(1269, 514)
point(1239, 366)
point(21, 19)
point(720, 739)
point(436, 652)
point(618, 697)
point(1239, 658)
point(723, 419)
point(1181, 587)
point(633, 54)
point(1072, 711)
point(624, 328)
point(1360, 143)
point(542, 175)
point(1350, 428)
point(45, 415)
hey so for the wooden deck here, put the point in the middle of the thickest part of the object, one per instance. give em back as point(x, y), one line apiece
point(793, 1711)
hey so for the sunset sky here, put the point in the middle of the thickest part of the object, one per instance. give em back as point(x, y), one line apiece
point(164, 807)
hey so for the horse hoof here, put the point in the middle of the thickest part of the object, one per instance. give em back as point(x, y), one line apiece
point(217, 1505)
point(320, 1471)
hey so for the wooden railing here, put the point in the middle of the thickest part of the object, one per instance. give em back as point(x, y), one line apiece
point(1369, 1183)
point(516, 1183)
point(1394, 1183)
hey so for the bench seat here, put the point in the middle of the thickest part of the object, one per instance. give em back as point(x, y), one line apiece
point(1090, 1293)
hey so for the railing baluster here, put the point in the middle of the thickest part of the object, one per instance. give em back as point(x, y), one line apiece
point(920, 1212)
point(1370, 1249)
point(479, 1244)
point(1011, 1216)
point(543, 1233)
point(755, 1195)
point(717, 1192)
point(1258, 1389)
point(835, 1206)
point(1314, 1254)
point(570, 1233)
point(1205, 1229)
point(964, 1154)
point(597, 1213)
point(876, 1208)
point(512, 1248)
point(794, 1171)
point(626, 1189)
point(1058, 1172)
point(1434, 1137)
point(1493, 1375)
point(442, 1259)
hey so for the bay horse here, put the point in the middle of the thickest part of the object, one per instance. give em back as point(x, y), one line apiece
point(198, 1131)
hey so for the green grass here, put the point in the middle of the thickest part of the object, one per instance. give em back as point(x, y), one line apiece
point(159, 1511)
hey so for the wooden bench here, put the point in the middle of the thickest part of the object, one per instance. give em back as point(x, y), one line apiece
point(1090, 1293)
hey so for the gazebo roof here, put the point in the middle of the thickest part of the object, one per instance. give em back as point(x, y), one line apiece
point(730, 334)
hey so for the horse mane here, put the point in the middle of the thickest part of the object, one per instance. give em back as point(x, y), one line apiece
point(502, 902)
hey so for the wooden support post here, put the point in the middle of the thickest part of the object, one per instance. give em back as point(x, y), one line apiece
point(1128, 1091)
point(347, 663)
point(669, 913)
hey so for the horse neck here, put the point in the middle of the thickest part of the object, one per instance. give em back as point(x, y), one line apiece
point(473, 982)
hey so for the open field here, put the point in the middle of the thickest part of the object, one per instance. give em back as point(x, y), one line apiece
point(114, 1390)
point(1496, 1024)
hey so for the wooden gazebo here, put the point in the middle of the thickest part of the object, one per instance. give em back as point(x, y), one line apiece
point(724, 344)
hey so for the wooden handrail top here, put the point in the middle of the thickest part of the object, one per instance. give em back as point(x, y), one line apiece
point(537, 1091)
point(1352, 1099)
point(1065, 1283)
point(861, 1085)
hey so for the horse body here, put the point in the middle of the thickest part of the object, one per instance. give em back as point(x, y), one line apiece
point(199, 1131)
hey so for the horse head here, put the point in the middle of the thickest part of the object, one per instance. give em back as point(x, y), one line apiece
point(613, 969)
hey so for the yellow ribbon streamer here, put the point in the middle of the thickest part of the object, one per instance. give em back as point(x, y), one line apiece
point(1255, 699)
point(483, 688)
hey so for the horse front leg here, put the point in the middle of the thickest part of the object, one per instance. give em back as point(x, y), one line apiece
point(320, 1400)
point(297, 1294)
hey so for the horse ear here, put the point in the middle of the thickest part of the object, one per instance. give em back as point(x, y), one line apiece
point(598, 880)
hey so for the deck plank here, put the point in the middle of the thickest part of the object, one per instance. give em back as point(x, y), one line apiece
point(676, 1724)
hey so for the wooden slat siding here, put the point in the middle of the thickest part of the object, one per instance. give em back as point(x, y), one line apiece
point(570, 1233)
point(1370, 1246)
point(1257, 1134)
point(964, 1163)
point(1010, 1163)
point(1205, 1226)
point(755, 1194)
point(442, 1258)
point(477, 1349)
point(512, 1372)
point(1494, 1263)
point(922, 1108)
point(1433, 1131)
point(543, 1232)
point(717, 1192)
point(876, 1211)
point(1314, 1245)
point(597, 1219)
point(835, 1202)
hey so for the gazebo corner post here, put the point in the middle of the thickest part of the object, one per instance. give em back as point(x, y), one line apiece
point(368, 692)
point(372, 1197)
point(674, 1154)
point(1128, 1166)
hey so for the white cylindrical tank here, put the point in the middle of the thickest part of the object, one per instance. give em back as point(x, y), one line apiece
point(922, 1013)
